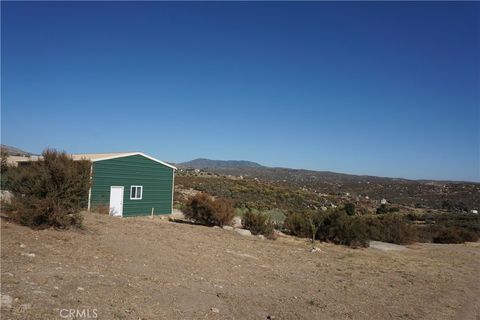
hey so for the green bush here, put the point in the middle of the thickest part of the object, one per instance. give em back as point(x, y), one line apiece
point(50, 192)
point(335, 226)
point(202, 208)
point(340, 228)
point(297, 224)
point(454, 206)
point(350, 208)
point(454, 235)
point(3, 170)
point(446, 227)
point(277, 216)
point(386, 209)
point(382, 209)
point(391, 228)
point(352, 232)
point(258, 223)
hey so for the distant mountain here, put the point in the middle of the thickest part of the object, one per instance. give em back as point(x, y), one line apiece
point(219, 164)
point(12, 151)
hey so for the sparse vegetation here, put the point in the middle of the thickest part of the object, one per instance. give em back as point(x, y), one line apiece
point(447, 227)
point(393, 223)
point(197, 258)
point(386, 209)
point(454, 235)
point(454, 206)
point(426, 194)
point(203, 208)
point(299, 225)
point(390, 227)
point(253, 194)
point(50, 192)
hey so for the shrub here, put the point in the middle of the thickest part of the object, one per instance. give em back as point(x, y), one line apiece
point(352, 231)
point(447, 227)
point(386, 209)
point(350, 208)
point(338, 227)
point(297, 224)
point(3, 170)
point(224, 211)
point(454, 235)
point(394, 229)
point(277, 216)
point(50, 192)
point(202, 208)
point(335, 226)
point(258, 223)
point(382, 209)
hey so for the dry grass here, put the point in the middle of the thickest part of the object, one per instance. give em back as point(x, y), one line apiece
point(142, 268)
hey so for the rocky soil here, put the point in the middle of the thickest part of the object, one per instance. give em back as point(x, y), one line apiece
point(149, 268)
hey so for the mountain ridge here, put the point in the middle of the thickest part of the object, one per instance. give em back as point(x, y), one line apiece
point(245, 167)
point(204, 163)
point(14, 151)
point(412, 193)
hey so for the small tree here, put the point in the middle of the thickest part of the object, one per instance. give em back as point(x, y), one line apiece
point(313, 230)
point(50, 192)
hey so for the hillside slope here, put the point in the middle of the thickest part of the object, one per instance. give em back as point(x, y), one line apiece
point(422, 194)
point(13, 151)
point(202, 163)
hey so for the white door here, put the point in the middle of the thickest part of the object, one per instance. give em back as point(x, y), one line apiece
point(116, 201)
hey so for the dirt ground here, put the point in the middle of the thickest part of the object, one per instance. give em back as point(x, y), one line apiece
point(149, 268)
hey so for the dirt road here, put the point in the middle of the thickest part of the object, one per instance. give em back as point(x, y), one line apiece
point(143, 268)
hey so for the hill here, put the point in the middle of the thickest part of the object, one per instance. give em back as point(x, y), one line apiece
point(202, 163)
point(412, 193)
point(13, 151)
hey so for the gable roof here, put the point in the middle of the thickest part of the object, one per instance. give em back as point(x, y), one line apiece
point(94, 157)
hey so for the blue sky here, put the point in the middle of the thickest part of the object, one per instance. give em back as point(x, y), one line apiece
point(378, 88)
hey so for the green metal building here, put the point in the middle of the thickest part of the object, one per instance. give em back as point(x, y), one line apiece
point(130, 184)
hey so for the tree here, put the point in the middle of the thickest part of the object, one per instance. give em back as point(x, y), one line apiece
point(51, 191)
point(313, 230)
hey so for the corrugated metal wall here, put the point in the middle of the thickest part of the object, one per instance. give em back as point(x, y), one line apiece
point(156, 179)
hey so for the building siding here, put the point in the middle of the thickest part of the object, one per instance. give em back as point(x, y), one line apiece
point(135, 170)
